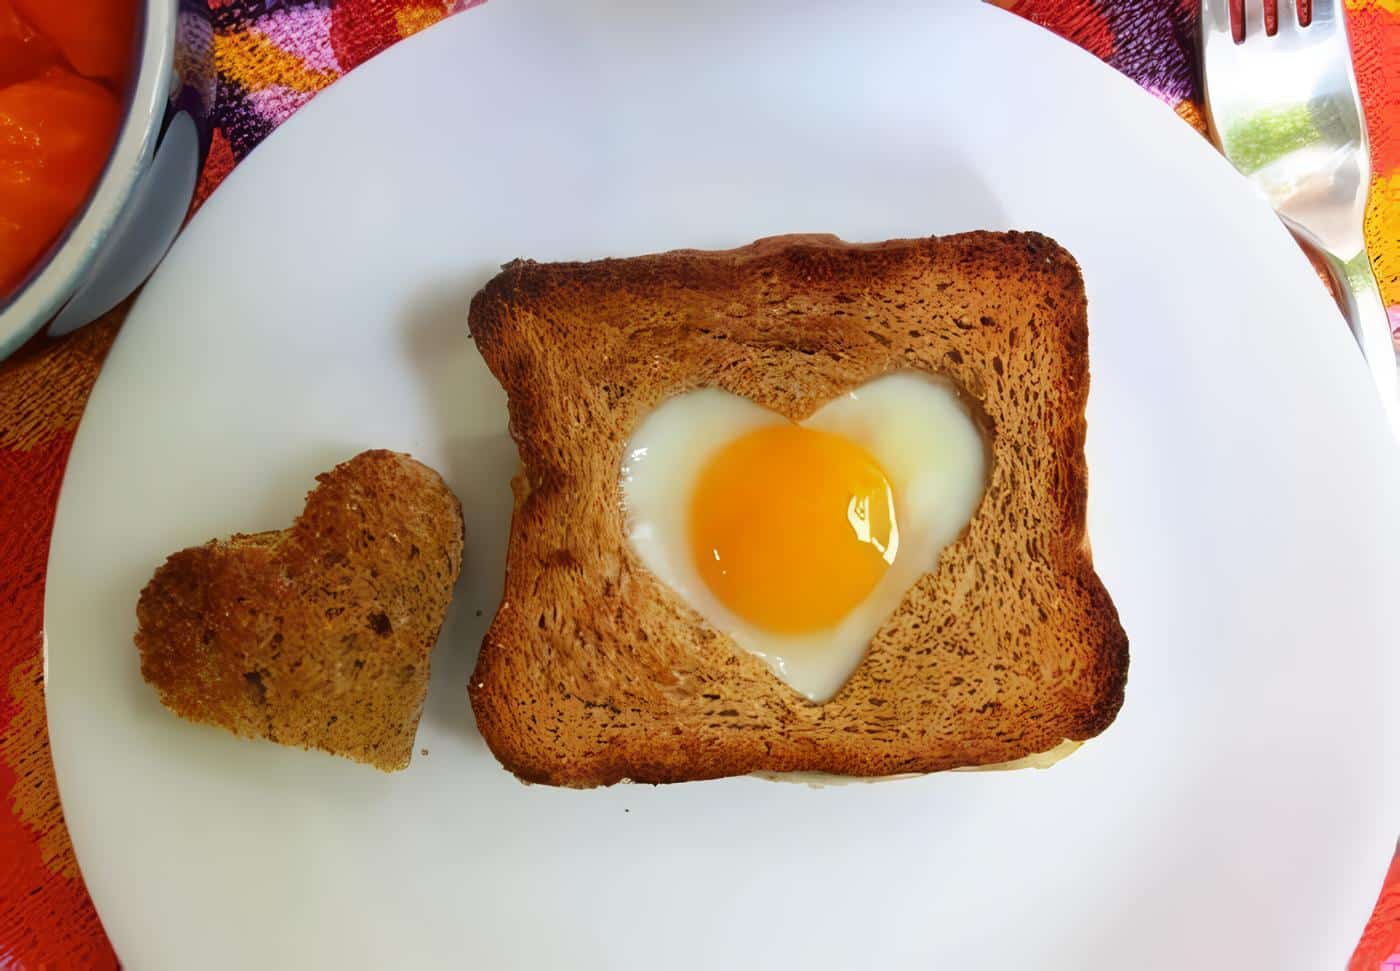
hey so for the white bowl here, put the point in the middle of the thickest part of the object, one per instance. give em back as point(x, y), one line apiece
point(52, 283)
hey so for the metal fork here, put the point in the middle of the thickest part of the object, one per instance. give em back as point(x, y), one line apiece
point(1285, 111)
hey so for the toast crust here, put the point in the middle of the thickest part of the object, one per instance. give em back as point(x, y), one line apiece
point(594, 672)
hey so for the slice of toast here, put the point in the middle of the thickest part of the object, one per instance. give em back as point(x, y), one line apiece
point(317, 635)
point(594, 671)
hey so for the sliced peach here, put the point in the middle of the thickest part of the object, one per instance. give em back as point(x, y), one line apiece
point(24, 52)
point(96, 36)
point(56, 132)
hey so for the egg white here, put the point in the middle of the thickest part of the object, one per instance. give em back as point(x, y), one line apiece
point(913, 425)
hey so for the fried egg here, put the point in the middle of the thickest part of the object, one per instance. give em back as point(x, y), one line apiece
point(799, 540)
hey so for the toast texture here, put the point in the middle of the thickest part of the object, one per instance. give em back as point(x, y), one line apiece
point(594, 671)
point(317, 635)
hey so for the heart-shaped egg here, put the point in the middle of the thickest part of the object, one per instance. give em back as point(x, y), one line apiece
point(798, 540)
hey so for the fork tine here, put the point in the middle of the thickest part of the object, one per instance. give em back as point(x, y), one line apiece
point(1253, 19)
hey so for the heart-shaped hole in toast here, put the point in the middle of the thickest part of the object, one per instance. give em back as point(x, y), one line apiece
point(799, 539)
point(317, 635)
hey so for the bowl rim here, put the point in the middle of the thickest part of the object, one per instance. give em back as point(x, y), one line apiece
point(44, 293)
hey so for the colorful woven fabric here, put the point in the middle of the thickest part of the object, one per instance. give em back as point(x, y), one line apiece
point(248, 65)
point(1154, 44)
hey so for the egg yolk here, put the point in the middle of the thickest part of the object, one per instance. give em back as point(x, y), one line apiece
point(792, 527)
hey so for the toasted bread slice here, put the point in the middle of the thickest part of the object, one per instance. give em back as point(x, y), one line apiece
point(317, 635)
point(594, 671)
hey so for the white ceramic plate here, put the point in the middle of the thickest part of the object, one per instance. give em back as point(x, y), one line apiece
point(1236, 815)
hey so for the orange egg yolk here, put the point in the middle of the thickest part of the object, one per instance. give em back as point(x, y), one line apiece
point(792, 527)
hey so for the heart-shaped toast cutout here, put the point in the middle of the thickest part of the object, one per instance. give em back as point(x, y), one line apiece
point(799, 540)
point(317, 635)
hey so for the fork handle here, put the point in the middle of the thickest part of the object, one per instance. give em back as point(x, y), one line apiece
point(1360, 297)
